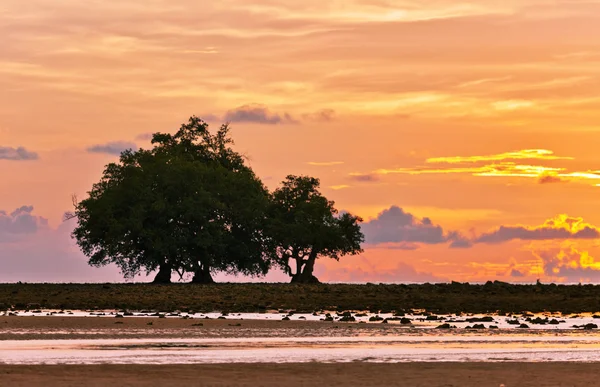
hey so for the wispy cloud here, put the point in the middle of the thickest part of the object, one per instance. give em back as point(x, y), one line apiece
point(324, 163)
point(526, 154)
point(17, 154)
point(364, 177)
point(257, 114)
point(339, 187)
point(112, 148)
point(500, 167)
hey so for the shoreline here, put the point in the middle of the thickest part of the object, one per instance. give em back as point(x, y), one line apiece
point(305, 374)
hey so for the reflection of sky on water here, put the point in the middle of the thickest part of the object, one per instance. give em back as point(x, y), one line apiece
point(438, 347)
point(344, 342)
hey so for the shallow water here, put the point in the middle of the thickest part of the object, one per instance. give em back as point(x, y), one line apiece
point(341, 343)
point(435, 348)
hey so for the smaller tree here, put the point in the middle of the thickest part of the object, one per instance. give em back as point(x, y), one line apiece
point(304, 226)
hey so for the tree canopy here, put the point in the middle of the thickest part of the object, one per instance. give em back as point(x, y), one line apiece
point(190, 204)
point(304, 226)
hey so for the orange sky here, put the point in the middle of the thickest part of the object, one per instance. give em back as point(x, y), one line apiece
point(477, 117)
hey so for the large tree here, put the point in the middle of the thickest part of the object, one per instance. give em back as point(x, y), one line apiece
point(304, 226)
point(190, 204)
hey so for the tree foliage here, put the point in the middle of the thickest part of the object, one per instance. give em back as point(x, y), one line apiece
point(304, 226)
point(190, 204)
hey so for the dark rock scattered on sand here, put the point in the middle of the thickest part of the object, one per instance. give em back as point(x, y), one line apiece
point(480, 319)
point(524, 326)
point(446, 326)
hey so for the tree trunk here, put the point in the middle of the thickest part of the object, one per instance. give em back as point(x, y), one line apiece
point(306, 275)
point(202, 276)
point(164, 274)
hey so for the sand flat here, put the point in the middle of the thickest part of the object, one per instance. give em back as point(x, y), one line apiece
point(309, 374)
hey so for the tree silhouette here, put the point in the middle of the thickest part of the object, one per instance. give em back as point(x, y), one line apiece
point(190, 204)
point(304, 226)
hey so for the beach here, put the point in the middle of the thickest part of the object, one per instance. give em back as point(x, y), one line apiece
point(150, 351)
point(311, 374)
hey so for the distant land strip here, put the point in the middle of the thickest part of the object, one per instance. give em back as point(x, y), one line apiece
point(261, 297)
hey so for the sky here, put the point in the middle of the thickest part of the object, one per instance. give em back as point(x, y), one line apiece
point(464, 133)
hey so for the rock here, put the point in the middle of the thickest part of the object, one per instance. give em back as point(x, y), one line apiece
point(286, 318)
point(347, 319)
point(480, 319)
point(524, 326)
point(513, 322)
point(446, 326)
point(590, 326)
point(553, 322)
point(493, 327)
point(405, 321)
point(375, 318)
point(478, 326)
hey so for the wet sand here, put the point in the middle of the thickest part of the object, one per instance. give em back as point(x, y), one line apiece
point(56, 327)
point(311, 374)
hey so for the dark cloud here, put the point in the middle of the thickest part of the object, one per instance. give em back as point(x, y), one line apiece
point(549, 179)
point(112, 148)
point(394, 225)
point(17, 154)
point(258, 114)
point(364, 177)
point(19, 222)
point(516, 273)
point(561, 228)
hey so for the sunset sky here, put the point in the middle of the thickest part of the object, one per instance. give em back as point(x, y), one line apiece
point(466, 134)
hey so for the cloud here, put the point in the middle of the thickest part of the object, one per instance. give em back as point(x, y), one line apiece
point(258, 114)
point(526, 154)
point(560, 227)
point(17, 154)
point(500, 167)
point(324, 163)
point(516, 273)
point(550, 179)
point(112, 148)
point(339, 187)
point(395, 226)
point(570, 265)
point(324, 115)
point(364, 177)
point(49, 255)
point(19, 222)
